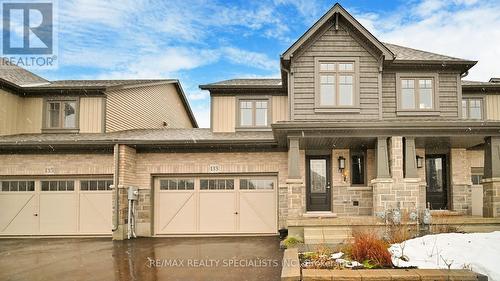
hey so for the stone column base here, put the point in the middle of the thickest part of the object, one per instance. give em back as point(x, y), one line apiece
point(295, 198)
point(491, 198)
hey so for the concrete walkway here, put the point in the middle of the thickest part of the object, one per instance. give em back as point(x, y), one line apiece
point(216, 258)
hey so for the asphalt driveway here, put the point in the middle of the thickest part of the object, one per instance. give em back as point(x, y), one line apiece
point(201, 258)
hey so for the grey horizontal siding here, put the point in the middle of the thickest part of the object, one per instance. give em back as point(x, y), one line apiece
point(447, 91)
point(334, 44)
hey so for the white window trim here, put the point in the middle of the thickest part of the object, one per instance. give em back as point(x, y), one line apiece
point(434, 111)
point(45, 115)
point(355, 108)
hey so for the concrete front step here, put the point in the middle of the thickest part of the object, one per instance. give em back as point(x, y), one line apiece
point(327, 235)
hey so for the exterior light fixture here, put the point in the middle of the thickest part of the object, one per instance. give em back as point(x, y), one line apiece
point(420, 161)
point(341, 163)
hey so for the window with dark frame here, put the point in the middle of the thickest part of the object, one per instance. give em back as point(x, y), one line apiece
point(61, 114)
point(253, 113)
point(358, 167)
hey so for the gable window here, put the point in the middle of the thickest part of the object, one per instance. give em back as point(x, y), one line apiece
point(253, 113)
point(472, 109)
point(336, 83)
point(61, 114)
point(358, 167)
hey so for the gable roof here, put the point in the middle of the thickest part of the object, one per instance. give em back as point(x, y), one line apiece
point(257, 83)
point(98, 84)
point(337, 8)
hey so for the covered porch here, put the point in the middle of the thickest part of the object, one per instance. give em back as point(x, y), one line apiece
point(356, 174)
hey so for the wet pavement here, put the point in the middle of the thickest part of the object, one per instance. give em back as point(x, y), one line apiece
point(200, 258)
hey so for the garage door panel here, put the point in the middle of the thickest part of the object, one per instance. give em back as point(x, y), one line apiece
point(217, 212)
point(178, 212)
point(95, 212)
point(58, 213)
point(18, 213)
point(257, 212)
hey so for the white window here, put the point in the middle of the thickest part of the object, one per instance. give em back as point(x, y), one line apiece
point(216, 184)
point(336, 84)
point(95, 185)
point(60, 185)
point(9, 186)
point(417, 94)
point(472, 109)
point(259, 184)
point(253, 113)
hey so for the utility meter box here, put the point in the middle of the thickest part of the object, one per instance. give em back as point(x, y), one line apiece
point(133, 193)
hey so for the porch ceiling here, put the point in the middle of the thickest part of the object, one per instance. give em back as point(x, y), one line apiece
point(455, 134)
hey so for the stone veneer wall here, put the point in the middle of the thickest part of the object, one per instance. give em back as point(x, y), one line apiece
point(397, 192)
point(343, 194)
point(460, 187)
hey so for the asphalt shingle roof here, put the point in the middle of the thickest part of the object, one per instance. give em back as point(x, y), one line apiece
point(246, 83)
point(18, 75)
point(99, 83)
point(149, 136)
point(410, 54)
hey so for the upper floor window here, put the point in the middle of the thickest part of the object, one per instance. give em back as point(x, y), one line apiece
point(417, 94)
point(253, 113)
point(472, 109)
point(61, 114)
point(336, 83)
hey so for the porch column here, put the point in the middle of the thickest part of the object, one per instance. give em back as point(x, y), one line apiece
point(293, 158)
point(491, 178)
point(410, 158)
point(295, 197)
point(382, 158)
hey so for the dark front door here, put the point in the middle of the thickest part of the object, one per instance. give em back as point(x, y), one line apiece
point(436, 177)
point(318, 183)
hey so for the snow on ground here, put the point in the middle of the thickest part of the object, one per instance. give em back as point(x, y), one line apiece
point(477, 251)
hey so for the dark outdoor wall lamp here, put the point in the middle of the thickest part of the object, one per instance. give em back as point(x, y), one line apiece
point(420, 161)
point(341, 163)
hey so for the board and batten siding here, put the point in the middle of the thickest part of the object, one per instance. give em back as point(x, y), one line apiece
point(224, 112)
point(145, 107)
point(334, 44)
point(447, 91)
point(279, 109)
point(19, 115)
point(91, 115)
point(493, 107)
point(29, 118)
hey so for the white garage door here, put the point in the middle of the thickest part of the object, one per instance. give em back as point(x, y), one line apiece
point(55, 207)
point(207, 205)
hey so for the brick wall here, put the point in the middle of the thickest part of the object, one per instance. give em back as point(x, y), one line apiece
point(56, 164)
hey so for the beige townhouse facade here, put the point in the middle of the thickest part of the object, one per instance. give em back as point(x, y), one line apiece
point(354, 129)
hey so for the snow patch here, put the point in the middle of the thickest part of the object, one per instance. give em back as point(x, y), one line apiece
point(479, 252)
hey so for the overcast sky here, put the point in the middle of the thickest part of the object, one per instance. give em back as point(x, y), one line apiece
point(201, 42)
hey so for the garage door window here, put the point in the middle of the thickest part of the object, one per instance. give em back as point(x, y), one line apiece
point(58, 185)
point(177, 184)
point(95, 185)
point(262, 184)
point(8, 186)
point(216, 184)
